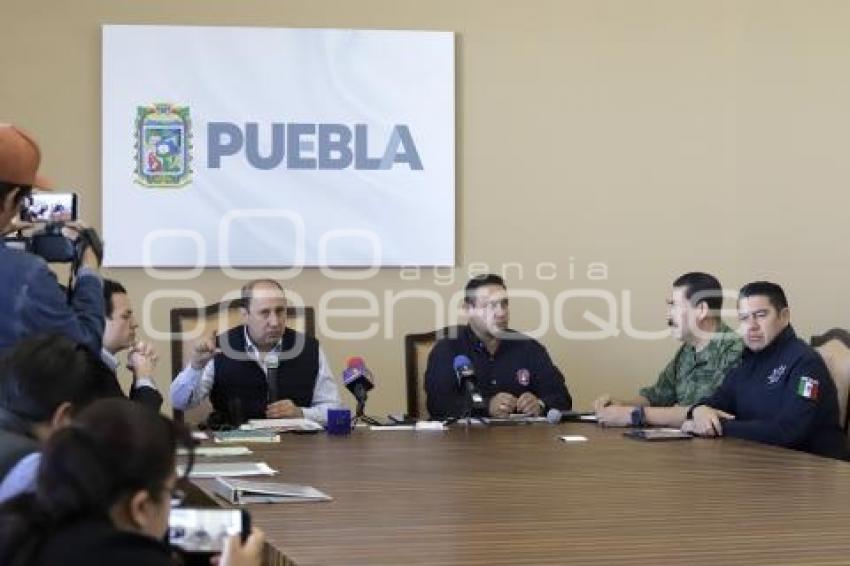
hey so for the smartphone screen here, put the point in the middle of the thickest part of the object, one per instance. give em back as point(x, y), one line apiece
point(204, 530)
point(49, 207)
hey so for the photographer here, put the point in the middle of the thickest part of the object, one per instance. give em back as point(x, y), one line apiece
point(104, 494)
point(32, 300)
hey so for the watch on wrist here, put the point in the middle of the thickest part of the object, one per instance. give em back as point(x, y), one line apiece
point(638, 416)
point(689, 416)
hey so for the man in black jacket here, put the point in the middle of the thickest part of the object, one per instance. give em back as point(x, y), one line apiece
point(781, 392)
point(513, 372)
point(119, 335)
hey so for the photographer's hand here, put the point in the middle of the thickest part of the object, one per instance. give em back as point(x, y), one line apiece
point(71, 230)
point(237, 553)
point(16, 225)
point(90, 259)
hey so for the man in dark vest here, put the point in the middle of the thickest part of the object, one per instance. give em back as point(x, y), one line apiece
point(260, 369)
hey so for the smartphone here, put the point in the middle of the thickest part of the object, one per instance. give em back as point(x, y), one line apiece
point(203, 530)
point(49, 207)
point(657, 434)
point(399, 419)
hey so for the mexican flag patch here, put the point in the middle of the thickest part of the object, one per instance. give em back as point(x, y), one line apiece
point(808, 388)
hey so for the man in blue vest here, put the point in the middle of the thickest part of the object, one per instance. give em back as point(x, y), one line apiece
point(260, 369)
point(781, 392)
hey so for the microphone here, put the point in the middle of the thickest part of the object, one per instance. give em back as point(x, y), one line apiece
point(235, 414)
point(466, 381)
point(271, 362)
point(555, 416)
point(358, 380)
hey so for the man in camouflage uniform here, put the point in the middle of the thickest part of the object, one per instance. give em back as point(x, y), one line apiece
point(709, 349)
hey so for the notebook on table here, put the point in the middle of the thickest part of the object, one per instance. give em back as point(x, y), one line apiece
point(214, 470)
point(284, 425)
point(243, 491)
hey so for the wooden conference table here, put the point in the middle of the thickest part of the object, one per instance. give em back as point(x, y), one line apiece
point(519, 495)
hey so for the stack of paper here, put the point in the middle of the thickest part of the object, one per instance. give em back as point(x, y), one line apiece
point(231, 469)
point(246, 436)
point(430, 425)
point(242, 491)
point(283, 425)
point(421, 425)
point(211, 451)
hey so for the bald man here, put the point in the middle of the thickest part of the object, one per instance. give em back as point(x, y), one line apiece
point(259, 369)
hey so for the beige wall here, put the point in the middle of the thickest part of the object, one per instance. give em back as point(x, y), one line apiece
point(653, 136)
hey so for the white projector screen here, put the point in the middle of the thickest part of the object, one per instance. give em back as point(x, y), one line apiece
point(248, 147)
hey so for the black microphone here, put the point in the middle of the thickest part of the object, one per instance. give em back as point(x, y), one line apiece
point(466, 381)
point(235, 415)
point(358, 380)
point(556, 416)
point(272, 362)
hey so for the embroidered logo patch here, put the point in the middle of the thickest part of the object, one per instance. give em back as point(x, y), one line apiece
point(808, 388)
point(776, 375)
point(523, 377)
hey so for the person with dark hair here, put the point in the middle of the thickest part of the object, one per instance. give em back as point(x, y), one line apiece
point(32, 301)
point(781, 393)
point(774, 294)
point(513, 371)
point(119, 335)
point(43, 381)
point(709, 348)
point(260, 369)
point(104, 494)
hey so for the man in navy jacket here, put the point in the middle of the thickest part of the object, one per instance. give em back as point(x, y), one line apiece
point(781, 392)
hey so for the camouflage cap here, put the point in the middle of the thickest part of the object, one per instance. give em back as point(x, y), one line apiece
point(19, 158)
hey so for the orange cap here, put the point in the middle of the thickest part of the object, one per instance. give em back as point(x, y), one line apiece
point(19, 158)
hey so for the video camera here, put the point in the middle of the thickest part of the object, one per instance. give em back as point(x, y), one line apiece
point(49, 212)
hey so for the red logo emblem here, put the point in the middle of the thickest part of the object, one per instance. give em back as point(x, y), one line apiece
point(523, 376)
